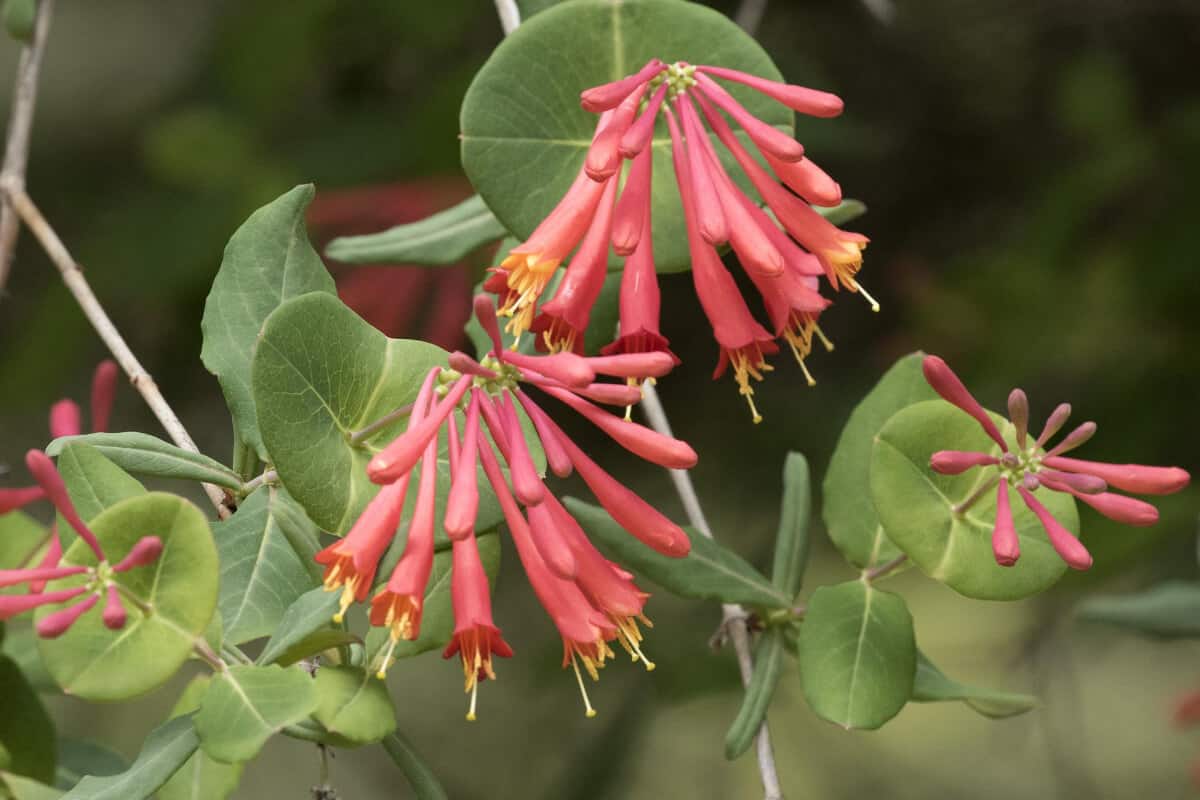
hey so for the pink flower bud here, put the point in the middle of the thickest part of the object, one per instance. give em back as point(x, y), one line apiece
point(1018, 412)
point(114, 612)
point(1005, 545)
point(11, 499)
point(637, 439)
point(42, 469)
point(701, 188)
point(527, 485)
point(145, 552)
point(1054, 423)
point(462, 506)
point(769, 139)
point(1074, 439)
point(485, 313)
point(549, 542)
point(56, 624)
point(65, 419)
point(1134, 478)
point(955, 462)
point(807, 180)
point(1088, 484)
point(1069, 549)
point(608, 95)
point(812, 102)
point(603, 160)
point(54, 551)
point(399, 457)
point(1118, 507)
point(634, 141)
point(633, 206)
point(556, 456)
point(12, 577)
point(947, 384)
point(13, 604)
point(633, 365)
point(104, 390)
point(463, 363)
point(566, 368)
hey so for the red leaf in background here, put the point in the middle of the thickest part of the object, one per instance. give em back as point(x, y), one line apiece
point(401, 300)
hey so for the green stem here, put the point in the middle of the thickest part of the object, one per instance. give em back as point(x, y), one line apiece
point(245, 460)
point(359, 436)
point(424, 783)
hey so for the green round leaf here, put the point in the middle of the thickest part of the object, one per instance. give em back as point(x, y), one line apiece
point(858, 655)
point(320, 373)
point(525, 136)
point(353, 706)
point(849, 514)
point(180, 588)
point(200, 777)
point(247, 705)
point(914, 505)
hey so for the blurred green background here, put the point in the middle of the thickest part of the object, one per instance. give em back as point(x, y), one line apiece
point(1030, 167)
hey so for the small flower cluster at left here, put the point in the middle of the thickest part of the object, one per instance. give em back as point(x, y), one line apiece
point(100, 578)
point(1027, 468)
point(590, 600)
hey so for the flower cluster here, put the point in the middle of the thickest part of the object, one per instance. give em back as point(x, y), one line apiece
point(1028, 467)
point(783, 257)
point(66, 419)
point(590, 600)
point(100, 578)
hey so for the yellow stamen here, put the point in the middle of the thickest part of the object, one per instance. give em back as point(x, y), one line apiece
point(821, 335)
point(474, 697)
point(801, 347)
point(854, 286)
point(743, 370)
point(528, 275)
point(630, 638)
point(587, 703)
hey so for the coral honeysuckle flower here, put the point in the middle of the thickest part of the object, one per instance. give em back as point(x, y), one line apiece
point(100, 580)
point(1027, 467)
point(591, 601)
point(782, 255)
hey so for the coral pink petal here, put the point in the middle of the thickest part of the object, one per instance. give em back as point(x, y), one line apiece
point(807, 180)
point(104, 391)
point(1069, 549)
point(1074, 439)
point(633, 365)
point(771, 140)
point(812, 102)
point(955, 462)
point(946, 383)
point(1088, 484)
point(54, 551)
point(1004, 535)
point(710, 217)
point(603, 157)
point(550, 544)
point(11, 577)
point(1135, 478)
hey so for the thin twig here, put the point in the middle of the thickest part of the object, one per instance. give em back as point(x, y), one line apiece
point(270, 476)
point(16, 148)
point(880, 570)
point(359, 436)
point(733, 617)
point(510, 15)
point(749, 15)
point(72, 275)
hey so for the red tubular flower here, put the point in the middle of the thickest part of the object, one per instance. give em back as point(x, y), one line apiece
point(399, 606)
point(807, 180)
point(812, 102)
point(640, 304)
point(12, 499)
point(1028, 468)
point(47, 476)
point(54, 625)
point(562, 320)
point(633, 209)
point(65, 419)
point(104, 391)
point(590, 600)
point(639, 134)
point(744, 343)
point(13, 604)
point(476, 638)
point(768, 139)
point(603, 160)
point(114, 612)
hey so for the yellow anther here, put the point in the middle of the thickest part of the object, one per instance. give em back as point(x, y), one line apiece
point(587, 703)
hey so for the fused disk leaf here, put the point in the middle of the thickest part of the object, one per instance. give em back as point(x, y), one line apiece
point(915, 507)
point(96, 663)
